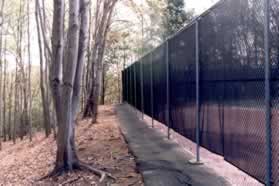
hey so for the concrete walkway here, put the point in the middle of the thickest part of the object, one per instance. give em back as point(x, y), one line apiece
point(160, 161)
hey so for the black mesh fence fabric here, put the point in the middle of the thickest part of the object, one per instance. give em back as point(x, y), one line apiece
point(232, 84)
point(134, 85)
point(183, 83)
point(129, 85)
point(159, 83)
point(274, 42)
point(123, 86)
point(138, 85)
point(147, 84)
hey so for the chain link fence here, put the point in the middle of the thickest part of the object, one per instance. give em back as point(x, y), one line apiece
point(210, 83)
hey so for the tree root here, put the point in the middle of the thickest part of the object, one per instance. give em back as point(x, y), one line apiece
point(102, 174)
point(79, 166)
point(71, 181)
point(54, 173)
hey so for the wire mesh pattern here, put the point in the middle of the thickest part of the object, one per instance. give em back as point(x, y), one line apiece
point(182, 83)
point(159, 83)
point(147, 84)
point(274, 52)
point(231, 83)
point(137, 80)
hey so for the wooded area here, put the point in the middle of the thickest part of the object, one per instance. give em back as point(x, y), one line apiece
point(60, 59)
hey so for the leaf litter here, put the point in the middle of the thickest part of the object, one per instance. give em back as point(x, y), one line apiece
point(100, 145)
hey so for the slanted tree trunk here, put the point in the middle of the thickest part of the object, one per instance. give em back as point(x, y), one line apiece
point(1, 75)
point(10, 108)
point(18, 79)
point(1, 39)
point(15, 105)
point(29, 109)
point(23, 104)
point(103, 87)
point(4, 95)
point(102, 22)
point(48, 105)
point(47, 56)
point(45, 102)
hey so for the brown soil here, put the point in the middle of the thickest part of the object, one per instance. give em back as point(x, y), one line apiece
point(100, 145)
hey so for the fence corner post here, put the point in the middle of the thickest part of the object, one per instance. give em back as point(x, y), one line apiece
point(167, 88)
point(151, 88)
point(142, 94)
point(267, 93)
point(197, 160)
point(135, 86)
point(197, 52)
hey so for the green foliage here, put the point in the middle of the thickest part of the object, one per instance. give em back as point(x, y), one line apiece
point(175, 17)
point(114, 61)
point(112, 94)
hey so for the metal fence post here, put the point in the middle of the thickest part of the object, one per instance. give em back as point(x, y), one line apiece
point(142, 96)
point(123, 86)
point(129, 85)
point(267, 94)
point(167, 89)
point(135, 86)
point(131, 88)
point(151, 88)
point(197, 92)
point(127, 88)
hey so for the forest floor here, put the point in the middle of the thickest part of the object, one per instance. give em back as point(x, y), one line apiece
point(101, 145)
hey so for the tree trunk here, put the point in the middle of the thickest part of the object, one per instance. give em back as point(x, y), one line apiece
point(15, 105)
point(66, 93)
point(103, 87)
point(10, 109)
point(29, 103)
point(66, 157)
point(4, 95)
point(100, 34)
point(45, 102)
point(1, 39)
point(1, 74)
point(22, 77)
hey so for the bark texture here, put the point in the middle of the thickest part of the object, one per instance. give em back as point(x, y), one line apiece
point(103, 15)
point(65, 77)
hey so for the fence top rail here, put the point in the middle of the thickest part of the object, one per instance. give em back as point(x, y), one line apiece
point(191, 23)
point(197, 18)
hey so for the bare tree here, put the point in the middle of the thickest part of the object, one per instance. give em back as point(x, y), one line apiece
point(1, 77)
point(65, 78)
point(29, 109)
point(15, 105)
point(4, 94)
point(10, 108)
point(45, 102)
point(0, 91)
point(1, 39)
point(22, 80)
point(103, 15)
